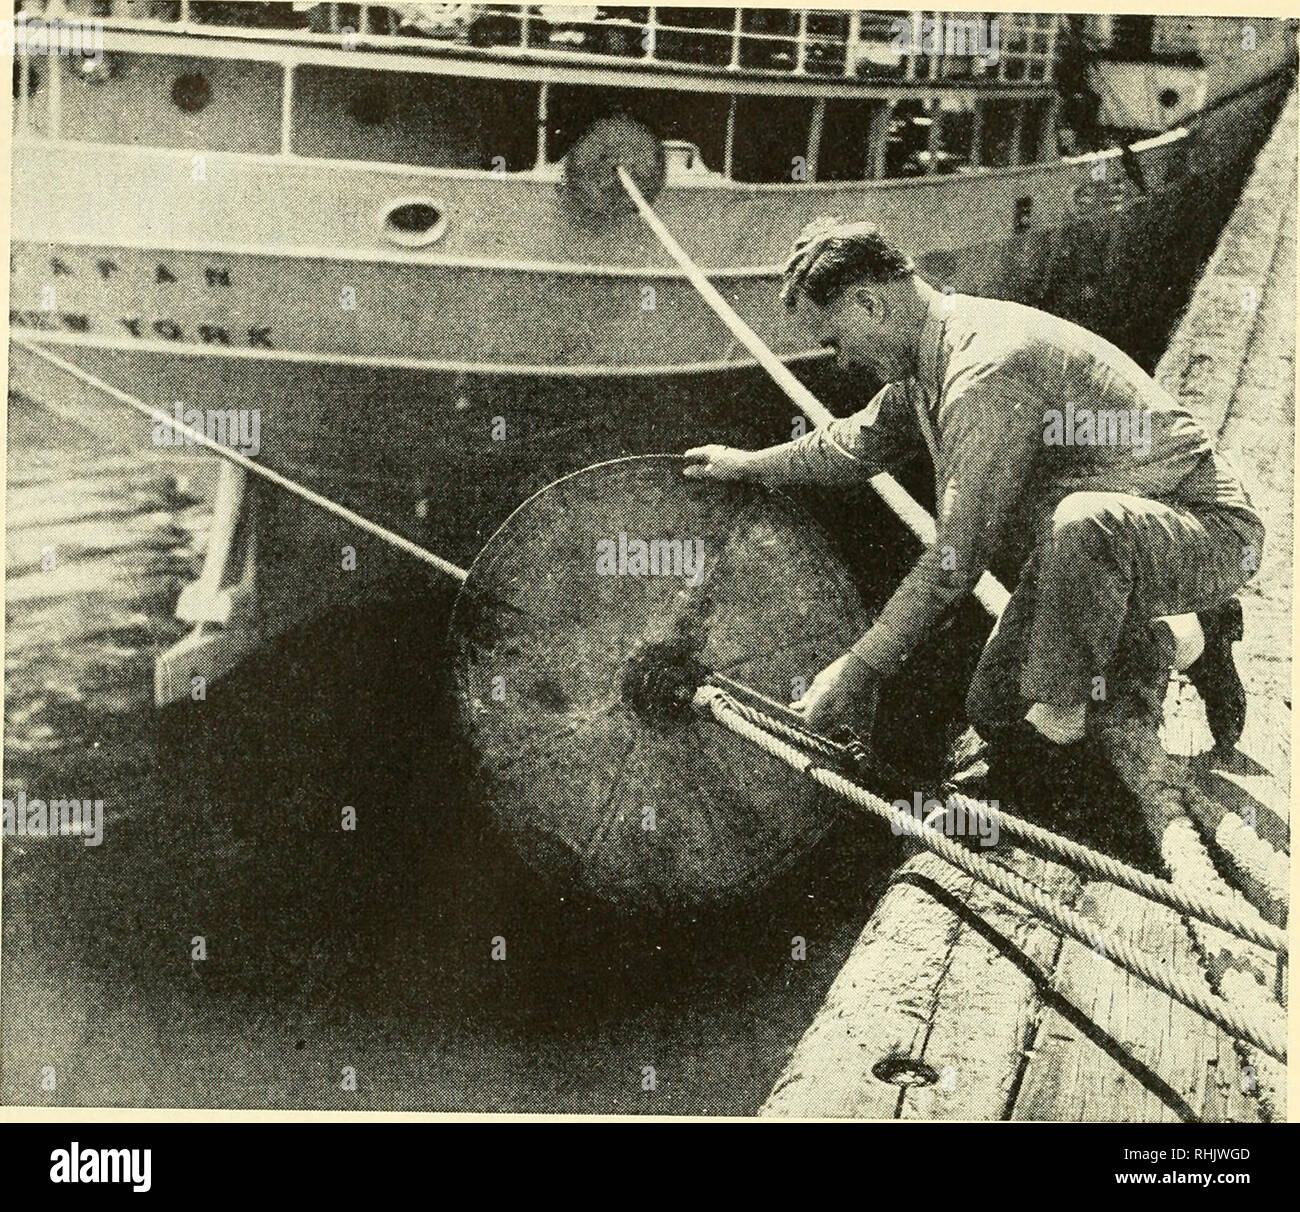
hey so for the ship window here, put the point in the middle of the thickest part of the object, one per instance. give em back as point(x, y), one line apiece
point(371, 105)
point(771, 138)
point(139, 10)
point(1031, 134)
point(595, 30)
point(282, 15)
point(999, 133)
point(955, 137)
point(770, 39)
point(698, 118)
point(876, 52)
point(846, 139)
point(1132, 37)
point(169, 101)
point(695, 35)
point(826, 44)
point(414, 118)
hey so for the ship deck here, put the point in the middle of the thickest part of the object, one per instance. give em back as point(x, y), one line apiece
point(956, 1003)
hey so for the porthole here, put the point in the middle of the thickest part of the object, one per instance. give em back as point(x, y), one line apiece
point(413, 222)
point(191, 92)
point(1169, 97)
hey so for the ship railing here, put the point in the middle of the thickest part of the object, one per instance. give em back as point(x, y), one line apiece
point(997, 48)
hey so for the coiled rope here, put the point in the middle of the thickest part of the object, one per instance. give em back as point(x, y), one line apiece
point(1265, 1031)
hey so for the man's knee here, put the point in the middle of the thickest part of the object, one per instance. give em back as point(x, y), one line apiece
point(1087, 524)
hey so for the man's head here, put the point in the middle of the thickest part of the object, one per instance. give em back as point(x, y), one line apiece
point(864, 296)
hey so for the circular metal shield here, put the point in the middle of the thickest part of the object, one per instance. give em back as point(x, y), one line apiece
point(585, 625)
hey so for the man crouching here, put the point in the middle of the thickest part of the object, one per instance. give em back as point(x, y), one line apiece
point(1056, 454)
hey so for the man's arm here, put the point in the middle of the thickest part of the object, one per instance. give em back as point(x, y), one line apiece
point(991, 431)
point(847, 451)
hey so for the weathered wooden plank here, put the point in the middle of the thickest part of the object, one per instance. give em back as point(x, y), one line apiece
point(1217, 364)
point(881, 1004)
point(930, 981)
point(931, 1013)
point(1247, 975)
point(988, 1004)
point(1135, 1055)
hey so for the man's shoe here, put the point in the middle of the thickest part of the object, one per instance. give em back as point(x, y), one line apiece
point(1214, 674)
point(967, 768)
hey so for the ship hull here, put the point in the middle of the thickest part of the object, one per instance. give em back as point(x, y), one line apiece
point(458, 386)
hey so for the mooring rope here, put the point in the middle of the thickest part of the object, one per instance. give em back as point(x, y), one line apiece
point(1250, 927)
point(766, 732)
point(323, 503)
point(1252, 856)
point(1270, 1036)
point(1268, 869)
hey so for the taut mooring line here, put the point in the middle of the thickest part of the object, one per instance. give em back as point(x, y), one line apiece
point(991, 593)
point(1267, 1032)
point(241, 460)
point(1248, 926)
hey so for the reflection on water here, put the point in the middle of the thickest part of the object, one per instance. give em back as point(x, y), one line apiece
point(99, 538)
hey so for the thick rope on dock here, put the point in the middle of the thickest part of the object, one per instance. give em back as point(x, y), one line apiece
point(1254, 856)
point(1263, 872)
point(1233, 969)
point(1240, 919)
point(1233, 915)
point(1264, 1029)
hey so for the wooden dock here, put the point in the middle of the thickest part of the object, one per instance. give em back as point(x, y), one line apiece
point(956, 1003)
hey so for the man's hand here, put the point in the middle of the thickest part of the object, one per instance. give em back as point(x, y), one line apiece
point(845, 692)
point(717, 463)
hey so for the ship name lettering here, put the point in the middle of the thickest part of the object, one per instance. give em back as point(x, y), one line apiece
point(32, 318)
point(50, 321)
point(259, 336)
